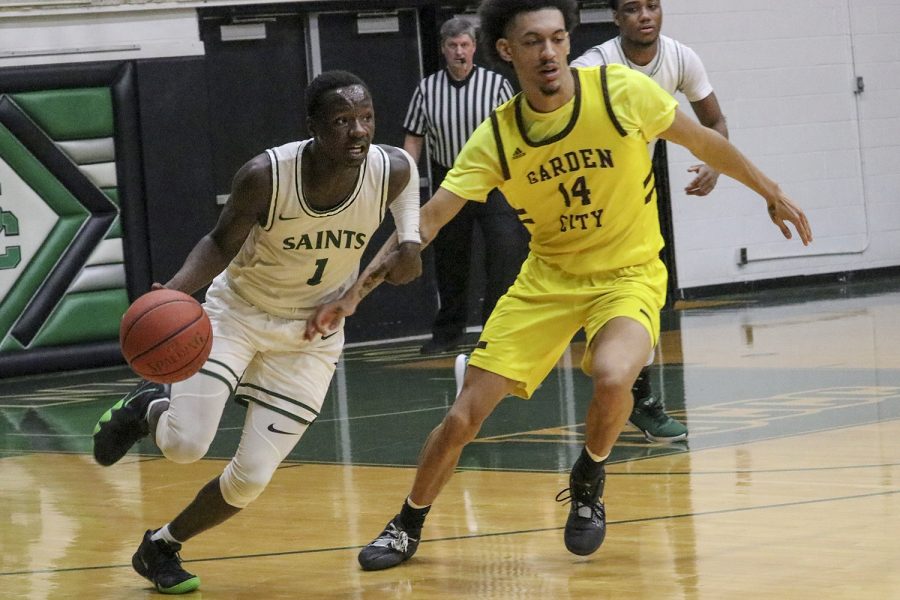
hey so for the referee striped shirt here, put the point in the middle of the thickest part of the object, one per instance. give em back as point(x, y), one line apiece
point(446, 111)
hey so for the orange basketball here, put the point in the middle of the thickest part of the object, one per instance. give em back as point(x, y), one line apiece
point(165, 336)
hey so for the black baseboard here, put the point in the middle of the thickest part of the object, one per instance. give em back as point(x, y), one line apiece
point(798, 281)
point(60, 358)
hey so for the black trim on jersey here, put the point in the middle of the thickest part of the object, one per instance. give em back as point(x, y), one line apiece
point(521, 213)
point(495, 127)
point(520, 121)
point(385, 178)
point(273, 199)
point(649, 180)
point(340, 206)
point(608, 103)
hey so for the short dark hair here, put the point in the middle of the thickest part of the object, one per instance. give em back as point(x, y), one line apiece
point(614, 4)
point(326, 82)
point(496, 15)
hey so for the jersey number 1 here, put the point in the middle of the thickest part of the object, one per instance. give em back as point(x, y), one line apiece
point(316, 279)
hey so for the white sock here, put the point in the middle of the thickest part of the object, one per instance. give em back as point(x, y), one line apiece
point(163, 534)
point(595, 457)
point(414, 505)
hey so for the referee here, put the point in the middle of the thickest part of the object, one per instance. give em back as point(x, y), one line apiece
point(445, 109)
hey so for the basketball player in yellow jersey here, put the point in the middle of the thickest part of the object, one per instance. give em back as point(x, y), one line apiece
point(570, 154)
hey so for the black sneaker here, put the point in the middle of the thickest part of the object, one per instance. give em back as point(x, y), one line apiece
point(389, 549)
point(159, 562)
point(586, 525)
point(125, 423)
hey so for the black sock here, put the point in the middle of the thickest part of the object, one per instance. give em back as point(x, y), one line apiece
point(586, 469)
point(412, 519)
point(641, 388)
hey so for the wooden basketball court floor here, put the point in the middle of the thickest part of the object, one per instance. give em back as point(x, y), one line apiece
point(789, 485)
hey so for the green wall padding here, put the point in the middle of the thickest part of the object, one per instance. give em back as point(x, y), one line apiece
point(37, 270)
point(84, 317)
point(34, 173)
point(73, 114)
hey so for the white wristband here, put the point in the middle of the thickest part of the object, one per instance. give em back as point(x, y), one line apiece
point(405, 207)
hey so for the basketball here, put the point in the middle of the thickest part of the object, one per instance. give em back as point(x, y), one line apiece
point(165, 336)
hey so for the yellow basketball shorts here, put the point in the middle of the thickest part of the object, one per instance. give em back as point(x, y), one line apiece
point(532, 324)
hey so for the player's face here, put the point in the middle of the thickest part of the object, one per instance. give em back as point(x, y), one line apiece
point(459, 52)
point(346, 125)
point(537, 43)
point(639, 21)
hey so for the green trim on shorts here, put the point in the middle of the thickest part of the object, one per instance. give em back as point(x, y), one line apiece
point(244, 400)
point(224, 366)
point(228, 384)
point(279, 396)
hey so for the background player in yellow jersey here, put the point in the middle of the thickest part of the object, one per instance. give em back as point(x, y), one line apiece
point(570, 152)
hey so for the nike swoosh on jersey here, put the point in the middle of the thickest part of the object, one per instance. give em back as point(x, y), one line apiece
point(325, 337)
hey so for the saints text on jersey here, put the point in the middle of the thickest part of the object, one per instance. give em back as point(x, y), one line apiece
point(341, 238)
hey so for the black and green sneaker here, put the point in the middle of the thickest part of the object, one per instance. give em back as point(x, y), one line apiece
point(649, 415)
point(158, 561)
point(125, 422)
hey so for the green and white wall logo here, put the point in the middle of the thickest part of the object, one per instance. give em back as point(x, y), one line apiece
point(62, 277)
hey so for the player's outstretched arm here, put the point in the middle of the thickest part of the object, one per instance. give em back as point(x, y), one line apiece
point(387, 265)
point(709, 113)
point(712, 148)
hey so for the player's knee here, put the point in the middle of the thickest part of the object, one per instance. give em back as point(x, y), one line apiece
point(241, 485)
point(460, 427)
point(185, 451)
point(613, 379)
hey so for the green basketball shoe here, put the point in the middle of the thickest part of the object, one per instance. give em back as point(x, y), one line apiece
point(649, 415)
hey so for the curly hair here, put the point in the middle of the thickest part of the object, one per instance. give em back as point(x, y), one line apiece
point(326, 82)
point(496, 15)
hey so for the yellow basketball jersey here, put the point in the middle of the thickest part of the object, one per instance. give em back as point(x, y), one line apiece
point(586, 192)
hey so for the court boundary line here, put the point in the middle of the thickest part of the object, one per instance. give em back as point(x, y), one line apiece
point(475, 536)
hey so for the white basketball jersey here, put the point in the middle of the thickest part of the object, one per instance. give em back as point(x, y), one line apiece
point(676, 68)
point(304, 256)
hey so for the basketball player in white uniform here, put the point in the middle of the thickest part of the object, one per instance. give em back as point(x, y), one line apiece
point(290, 238)
point(676, 68)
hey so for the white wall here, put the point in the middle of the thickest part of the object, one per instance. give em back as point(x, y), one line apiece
point(784, 75)
point(94, 36)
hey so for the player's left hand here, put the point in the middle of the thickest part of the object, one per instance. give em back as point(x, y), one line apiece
point(704, 182)
point(782, 211)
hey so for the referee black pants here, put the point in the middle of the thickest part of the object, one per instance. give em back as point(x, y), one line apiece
point(505, 248)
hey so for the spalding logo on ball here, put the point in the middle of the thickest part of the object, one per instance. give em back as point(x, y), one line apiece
point(165, 336)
